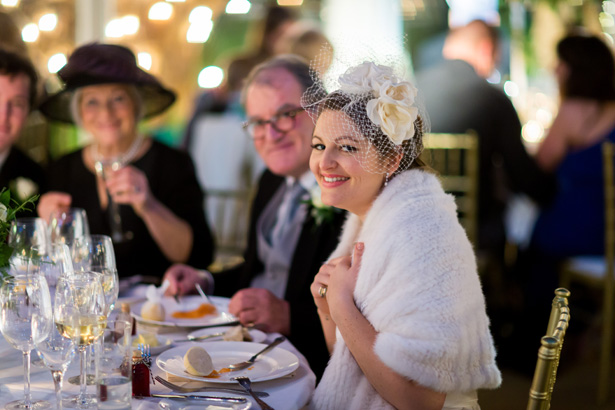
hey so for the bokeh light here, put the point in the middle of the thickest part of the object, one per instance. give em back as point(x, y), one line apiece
point(210, 77)
point(56, 62)
point(48, 22)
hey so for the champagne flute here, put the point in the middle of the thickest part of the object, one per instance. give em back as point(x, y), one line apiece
point(103, 168)
point(101, 259)
point(58, 350)
point(66, 226)
point(82, 292)
point(25, 320)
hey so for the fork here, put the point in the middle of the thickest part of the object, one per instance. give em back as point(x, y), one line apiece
point(250, 361)
point(247, 384)
point(181, 389)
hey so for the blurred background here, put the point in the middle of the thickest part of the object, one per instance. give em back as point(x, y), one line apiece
point(190, 43)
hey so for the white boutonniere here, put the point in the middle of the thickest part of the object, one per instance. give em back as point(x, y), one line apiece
point(319, 211)
point(23, 188)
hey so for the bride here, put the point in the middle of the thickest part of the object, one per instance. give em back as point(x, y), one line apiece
point(399, 300)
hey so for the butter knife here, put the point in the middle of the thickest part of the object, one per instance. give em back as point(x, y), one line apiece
point(210, 398)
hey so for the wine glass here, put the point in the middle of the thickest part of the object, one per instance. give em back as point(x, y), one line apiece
point(67, 225)
point(58, 349)
point(82, 292)
point(25, 320)
point(28, 233)
point(52, 264)
point(101, 259)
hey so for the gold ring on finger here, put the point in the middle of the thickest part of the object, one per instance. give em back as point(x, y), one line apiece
point(322, 291)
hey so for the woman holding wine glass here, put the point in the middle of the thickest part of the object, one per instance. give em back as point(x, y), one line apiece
point(142, 193)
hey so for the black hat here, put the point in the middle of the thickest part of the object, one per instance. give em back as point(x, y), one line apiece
point(96, 63)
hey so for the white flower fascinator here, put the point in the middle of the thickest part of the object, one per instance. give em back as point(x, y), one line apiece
point(381, 109)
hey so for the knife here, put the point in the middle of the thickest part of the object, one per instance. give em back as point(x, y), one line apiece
point(210, 398)
point(198, 338)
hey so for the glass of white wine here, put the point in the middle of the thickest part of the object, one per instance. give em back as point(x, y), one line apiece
point(25, 320)
point(83, 292)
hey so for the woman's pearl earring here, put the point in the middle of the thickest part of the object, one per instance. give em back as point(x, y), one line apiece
point(386, 179)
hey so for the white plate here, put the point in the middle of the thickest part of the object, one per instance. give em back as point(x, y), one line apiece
point(188, 404)
point(257, 335)
point(276, 363)
point(164, 343)
point(187, 303)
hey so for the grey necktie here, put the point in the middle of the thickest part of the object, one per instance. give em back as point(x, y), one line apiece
point(288, 209)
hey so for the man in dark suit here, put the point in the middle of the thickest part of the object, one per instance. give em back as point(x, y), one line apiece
point(458, 98)
point(286, 243)
point(18, 172)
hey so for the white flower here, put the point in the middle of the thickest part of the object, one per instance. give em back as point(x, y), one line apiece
point(393, 107)
point(396, 120)
point(366, 77)
point(25, 188)
point(315, 197)
point(3, 212)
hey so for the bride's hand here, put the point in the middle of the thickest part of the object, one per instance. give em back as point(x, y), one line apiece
point(343, 277)
point(129, 186)
point(321, 280)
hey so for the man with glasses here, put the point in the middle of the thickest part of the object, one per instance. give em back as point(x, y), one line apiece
point(286, 244)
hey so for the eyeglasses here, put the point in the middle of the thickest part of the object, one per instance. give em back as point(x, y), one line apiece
point(282, 122)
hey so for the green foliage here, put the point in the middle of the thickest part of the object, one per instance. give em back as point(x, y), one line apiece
point(9, 208)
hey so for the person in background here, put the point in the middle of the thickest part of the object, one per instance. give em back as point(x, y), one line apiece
point(160, 202)
point(458, 98)
point(288, 239)
point(399, 299)
point(18, 84)
point(573, 224)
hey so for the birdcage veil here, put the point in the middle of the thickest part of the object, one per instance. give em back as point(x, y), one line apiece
point(383, 112)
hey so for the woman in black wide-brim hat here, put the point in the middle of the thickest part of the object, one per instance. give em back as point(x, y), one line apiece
point(160, 202)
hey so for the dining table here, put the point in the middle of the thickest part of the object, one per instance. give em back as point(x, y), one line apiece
point(289, 392)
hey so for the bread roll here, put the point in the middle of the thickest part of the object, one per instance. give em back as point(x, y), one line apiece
point(153, 311)
point(198, 362)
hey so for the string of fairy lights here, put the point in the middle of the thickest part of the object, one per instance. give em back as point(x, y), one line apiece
point(199, 28)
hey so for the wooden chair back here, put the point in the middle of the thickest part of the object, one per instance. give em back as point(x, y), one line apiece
point(455, 158)
point(549, 353)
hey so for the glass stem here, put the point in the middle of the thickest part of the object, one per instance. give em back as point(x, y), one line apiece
point(57, 381)
point(27, 399)
point(82, 399)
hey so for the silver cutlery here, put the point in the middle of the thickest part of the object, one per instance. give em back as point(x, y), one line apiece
point(208, 398)
point(247, 384)
point(182, 389)
point(250, 361)
point(198, 338)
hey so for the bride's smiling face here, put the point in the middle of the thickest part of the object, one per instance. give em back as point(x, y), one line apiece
point(343, 181)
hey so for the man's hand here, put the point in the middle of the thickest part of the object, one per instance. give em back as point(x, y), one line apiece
point(261, 307)
point(183, 279)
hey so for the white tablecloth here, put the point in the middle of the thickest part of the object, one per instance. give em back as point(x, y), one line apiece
point(289, 393)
